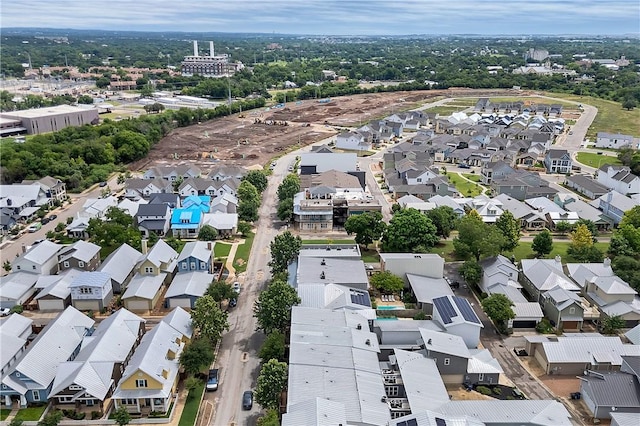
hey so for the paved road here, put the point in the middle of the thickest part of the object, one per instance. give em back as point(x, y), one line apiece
point(12, 248)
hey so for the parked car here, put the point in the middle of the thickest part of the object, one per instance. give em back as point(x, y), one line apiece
point(236, 287)
point(464, 166)
point(233, 303)
point(212, 380)
point(45, 220)
point(247, 400)
point(53, 216)
point(34, 227)
point(38, 241)
point(103, 184)
point(5, 311)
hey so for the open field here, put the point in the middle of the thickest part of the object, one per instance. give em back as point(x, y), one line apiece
point(445, 110)
point(534, 100)
point(594, 160)
point(611, 116)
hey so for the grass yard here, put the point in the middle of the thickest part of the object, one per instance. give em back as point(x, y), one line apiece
point(463, 186)
point(475, 178)
point(242, 254)
point(444, 110)
point(190, 411)
point(328, 241)
point(535, 100)
point(592, 159)
point(4, 413)
point(611, 116)
point(30, 414)
point(221, 250)
point(370, 256)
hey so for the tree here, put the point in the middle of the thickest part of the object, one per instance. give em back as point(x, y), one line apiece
point(386, 282)
point(612, 325)
point(631, 217)
point(191, 384)
point(244, 228)
point(289, 187)
point(272, 309)
point(510, 229)
point(273, 347)
point(542, 243)
point(122, 416)
point(632, 235)
point(6, 266)
point(471, 271)
point(269, 419)
point(498, 308)
point(629, 104)
point(208, 319)
point(589, 224)
point(115, 230)
point(16, 422)
point(628, 269)
point(285, 209)
point(51, 419)
point(619, 246)
point(258, 179)
point(197, 356)
point(207, 233)
point(444, 218)
point(367, 226)
point(85, 99)
point(409, 229)
point(271, 382)
point(476, 238)
point(285, 248)
point(249, 201)
point(220, 291)
point(563, 227)
point(581, 238)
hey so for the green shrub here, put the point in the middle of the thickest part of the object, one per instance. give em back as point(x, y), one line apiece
point(497, 391)
point(17, 309)
point(544, 327)
point(420, 316)
point(510, 397)
point(483, 390)
point(95, 415)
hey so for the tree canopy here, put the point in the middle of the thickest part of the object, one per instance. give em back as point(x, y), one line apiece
point(249, 201)
point(271, 382)
point(207, 233)
point(510, 229)
point(289, 187)
point(542, 243)
point(273, 347)
point(409, 231)
point(444, 218)
point(197, 356)
point(208, 319)
point(476, 238)
point(257, 178)
point(272, 309)
point(285, 248)
point(386, 282)
point(498, 308)
point(368, 227)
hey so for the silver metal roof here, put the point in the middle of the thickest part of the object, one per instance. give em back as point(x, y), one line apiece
point(426, 289)
point(444, 343)
point(316, 412)
point(144, 286)
point(197, 249)
point(91, 279)
point(193, 283)
point(180, 320)
point(422, 382)
point(525, 412)
point(313, 270)
point(588, 350)
point(121, 262)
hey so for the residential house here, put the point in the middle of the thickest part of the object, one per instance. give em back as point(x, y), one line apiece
point(503, 412)
point(17, 288)
point(226, 172)
point(541, 275)
point(554, 218)
point(588, 212)
point(120, 265)
point(335, 297)
point(196, 257)
point(39, 259)
point(91, 291)
point(170, 199)
point(187, 287)
point(449, 352)
point(497, 270)
point(186, 222)
point(21, 202)
point(558, 161)
point(530, 219)
point(611, 294)
point(225, 223)
point(413, 202)
point(489, 209)
point(150, 380)
point(440, 201)
point(355, 141)
point(14, 333)
point(522, 185)
point(425, 289)
point(54, 292)
point(563, 308)
point(619, 178)
point(586, 186)
point(423, 264)
point(173, 173)
point(329, 270)
point(614, 205)
point(30, 378)
point(131, 207)
point(98, 207)
point(81, 255)
point(153, 218)
point(608, 392)
point(146, 188)
point(90, 378)
point(615, 141)
point(633, 335)
point(226, 203)
point(198, 186)
point(495, 170)
point(55, 189)
point(78, 227)
point(313, 163)
point(457, 316)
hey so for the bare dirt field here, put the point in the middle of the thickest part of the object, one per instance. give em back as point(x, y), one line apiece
point(254, 137)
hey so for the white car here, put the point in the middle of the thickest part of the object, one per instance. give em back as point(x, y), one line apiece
point(5, 311)
point(236, 287)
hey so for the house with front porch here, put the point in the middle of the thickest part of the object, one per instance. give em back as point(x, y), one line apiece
point(29, 380)
point(530, 219)
point(153, 218)
point(563, 308)
point(39, 259)
point(136, 189)
point(89, 379)
point(558, 161)
point(14, 333)
point(120, 265)
point(80, 255)
point(541, 275)
point(150, 380)
point(619, 178)
point(172, 173)
point(54, 189)
point(91, 291)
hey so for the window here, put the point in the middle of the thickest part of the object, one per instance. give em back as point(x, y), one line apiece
point(141, 383)
point(65, 264)
point(193, 265)
point(447, 361)
point(148, 270)
point(33, 267)
point(392, 391)
point(63, 399)
point(36, 395)
point(572, 310)
point(184, 265)
point(81, 264)
point(74, 387)
point(129, 401)
point(203, 265)
point(480, 377)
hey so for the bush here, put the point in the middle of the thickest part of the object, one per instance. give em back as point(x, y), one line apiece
point(420, 316)
point(73, 414)
point(95, 415)
point(497, 391)
point(544, 327)
point(483, 390)
point(17, 309)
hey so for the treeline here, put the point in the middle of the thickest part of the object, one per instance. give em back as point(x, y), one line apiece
point(82, 156)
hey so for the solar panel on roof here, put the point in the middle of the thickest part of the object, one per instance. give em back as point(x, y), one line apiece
point(360, 298)
point(445, 308)
point(466, 310)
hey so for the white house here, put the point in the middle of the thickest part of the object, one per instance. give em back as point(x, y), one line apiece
point(614, 140)
point(425, 264)
point(619, 178)
point(91, 291)
point(457, 316)
point(39, 259)
point(352, 141)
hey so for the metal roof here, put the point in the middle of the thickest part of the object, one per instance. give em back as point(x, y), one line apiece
point(312, 270)
point(333, 296)
point(193, 283)
point(12, 329)
point(81, 250)
point(197, 249)
point(161, 252)
point(524, 412)
point(42, 252)
point(316, 412)
point(58, 287)
point(444, 343)
point(620, 390)
point(588, 350)
point(221, 221)
point(482, 362)
point(455, 310)
point(144, 286)
point(634, 335)
point(91, 279)
point(624, 419)
point(345, 336)
point(180, 320)
point(545, 274)
point(431, 418)
point(613, 285)
point(120, 263)
point(16, 284)
point(426, 289)
point(527, 310)
point(422, 382)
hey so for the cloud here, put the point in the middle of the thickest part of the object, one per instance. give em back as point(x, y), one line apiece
point(332, 16)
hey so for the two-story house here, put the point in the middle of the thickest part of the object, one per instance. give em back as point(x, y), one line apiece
point(449, 352)
point(186, 222)
point(146, 188)
point(91, 291)
point(541, 275)
point(614, 205)
point(457, 317)
point(120, 265)
point(55, 189)
point(14, 333)
point(226, 172)
point(614, 140)
point(558, 161)
point(495, 170)
point(563, 308)
point(80, 255)
point(17, 288)
point(30, 378)
point(39, 259)
point(196, 256)
point(150, 380)
point(619, 178)
point(90, 378)
point(172, 173)
point(353, 141)
point(153, 218)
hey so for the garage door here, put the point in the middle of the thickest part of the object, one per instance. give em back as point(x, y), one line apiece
point(182, 303)
point(524, 324)
point(86, 305)
point(137, 305)
point(50, 305)
point(570, 325)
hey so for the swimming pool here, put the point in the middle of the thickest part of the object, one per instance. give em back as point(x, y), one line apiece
point(389, 308)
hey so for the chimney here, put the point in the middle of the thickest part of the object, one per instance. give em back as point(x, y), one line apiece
point(209, 245)
point(145, 246)
point(195, 47)
point(558, 259)
point(607, 261)
point(323, 262)
point(322, 275)
point(211, 49)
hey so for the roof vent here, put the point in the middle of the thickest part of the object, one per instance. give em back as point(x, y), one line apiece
point(429, 342)
point(322, 275)
point(359, 327)
point(368, 342)
point(383, 399)
point(324, 262)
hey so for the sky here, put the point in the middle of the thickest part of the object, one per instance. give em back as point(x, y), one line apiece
point(332, 17)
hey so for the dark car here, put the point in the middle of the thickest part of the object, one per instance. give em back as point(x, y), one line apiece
point(53, 217)
point(212, 380)
point(45, 220)
point(464, 166)
point(247, 400)
point(103, 184)
point(233, 303)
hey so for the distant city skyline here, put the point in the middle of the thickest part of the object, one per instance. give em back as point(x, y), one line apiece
point(333, 17)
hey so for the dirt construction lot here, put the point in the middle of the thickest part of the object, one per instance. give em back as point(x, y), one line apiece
point(254, 137)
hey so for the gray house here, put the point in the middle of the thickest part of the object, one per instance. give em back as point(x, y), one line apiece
point(563, 308)
point(558, 161)
point(120, 265)
point(586, 186)
point(448, 351)
point(607, 392)
point(425, 289)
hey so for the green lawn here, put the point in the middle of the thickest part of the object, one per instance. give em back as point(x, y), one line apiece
point(611, 116)
point(444, 110)
point(4, 412)
point(466, 188)
point(328, 241)
point(190, 411)
point(473, 177)
point(594, 160)
point(30, 414)
point(242, 254)
point(221, 250)
point(535, 100)
point(370, 256)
